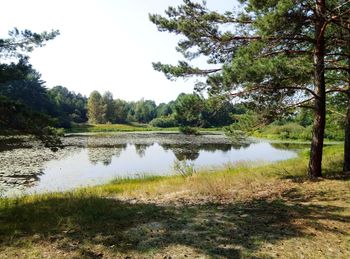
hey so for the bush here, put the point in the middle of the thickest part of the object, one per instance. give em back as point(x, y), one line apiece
point(289, 131)
point(188, 130)
point(164, 122)
point(334, 134)
point(234, 134)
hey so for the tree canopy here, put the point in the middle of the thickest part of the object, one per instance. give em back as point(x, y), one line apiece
point(24, 102)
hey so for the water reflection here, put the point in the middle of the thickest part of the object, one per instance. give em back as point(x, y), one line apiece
point(289, 146)
point(104, 155)
point(141, 149)
point(10, 143)
point(19, 181)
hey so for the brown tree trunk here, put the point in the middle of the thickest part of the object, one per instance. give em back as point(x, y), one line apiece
point(346, 166)
point(315, 163)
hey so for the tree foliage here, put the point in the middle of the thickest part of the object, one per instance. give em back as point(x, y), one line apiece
point(96, 108)
point(69, 106)
point(24, 102)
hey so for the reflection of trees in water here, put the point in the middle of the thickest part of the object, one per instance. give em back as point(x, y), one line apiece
point(19, 181)
point(289, 146)
point(240, 145)
point(7, 144)
point(141, 149)
point(105, 154)
point(183, 151)
point(191, 151)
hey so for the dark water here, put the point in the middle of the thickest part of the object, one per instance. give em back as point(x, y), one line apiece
point(96, 164)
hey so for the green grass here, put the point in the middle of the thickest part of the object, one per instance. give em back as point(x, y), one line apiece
point(80, 128)
point(296, 132)
point(239, 211)
point(132, 127)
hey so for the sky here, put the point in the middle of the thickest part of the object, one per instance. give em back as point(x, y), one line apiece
point(104, 45)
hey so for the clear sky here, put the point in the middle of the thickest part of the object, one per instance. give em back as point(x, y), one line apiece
point(104, 45)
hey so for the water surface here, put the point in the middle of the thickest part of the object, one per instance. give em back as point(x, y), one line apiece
point(91, 160)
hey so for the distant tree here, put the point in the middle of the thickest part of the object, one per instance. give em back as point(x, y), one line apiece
point(69, 106)
point(131, 107)
point(120, 111)
point(188, 110)
point(217, 112)
point(96, 108)
point(165, 109)
point(108, 105)
point(145, 111)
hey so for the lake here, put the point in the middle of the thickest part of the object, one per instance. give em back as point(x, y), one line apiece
point(26, 167)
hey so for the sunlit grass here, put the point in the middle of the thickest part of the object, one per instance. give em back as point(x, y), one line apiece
point(131, 127)
point(78, 128)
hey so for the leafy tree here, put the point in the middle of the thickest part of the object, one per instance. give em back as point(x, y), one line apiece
point(188, 110)
point(69, 106)
point(108, 103)
point(217, 112)
point(120, 111)
point(145, 110)
point(268, 56)
point(165, 109)
point(164, 121)
point(131, 107)
point(96, 108)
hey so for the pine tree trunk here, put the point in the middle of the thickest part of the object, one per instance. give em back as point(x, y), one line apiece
point(315, 163)
point(346, 166)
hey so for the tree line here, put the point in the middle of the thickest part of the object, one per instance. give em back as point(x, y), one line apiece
point(27, 106)
point(187, 110)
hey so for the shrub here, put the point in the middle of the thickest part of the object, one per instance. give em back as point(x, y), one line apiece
point(188, 130)
point(289, 131)
point(164, 122)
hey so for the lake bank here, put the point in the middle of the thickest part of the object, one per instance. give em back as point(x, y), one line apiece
point(247, 211)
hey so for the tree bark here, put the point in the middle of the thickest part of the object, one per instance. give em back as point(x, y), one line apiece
point(315, 163)
point(346, 166)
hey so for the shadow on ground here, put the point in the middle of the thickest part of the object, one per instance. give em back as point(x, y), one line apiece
point(77, 224)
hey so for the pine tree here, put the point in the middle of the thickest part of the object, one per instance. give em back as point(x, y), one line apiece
point(273, 55)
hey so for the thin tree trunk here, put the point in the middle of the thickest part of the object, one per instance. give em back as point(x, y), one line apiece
point(346, 166)
point(315, 163)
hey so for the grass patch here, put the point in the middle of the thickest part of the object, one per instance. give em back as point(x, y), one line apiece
point(241, 211)
point(81, 128)
point(295, 132)
point(95, 128)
